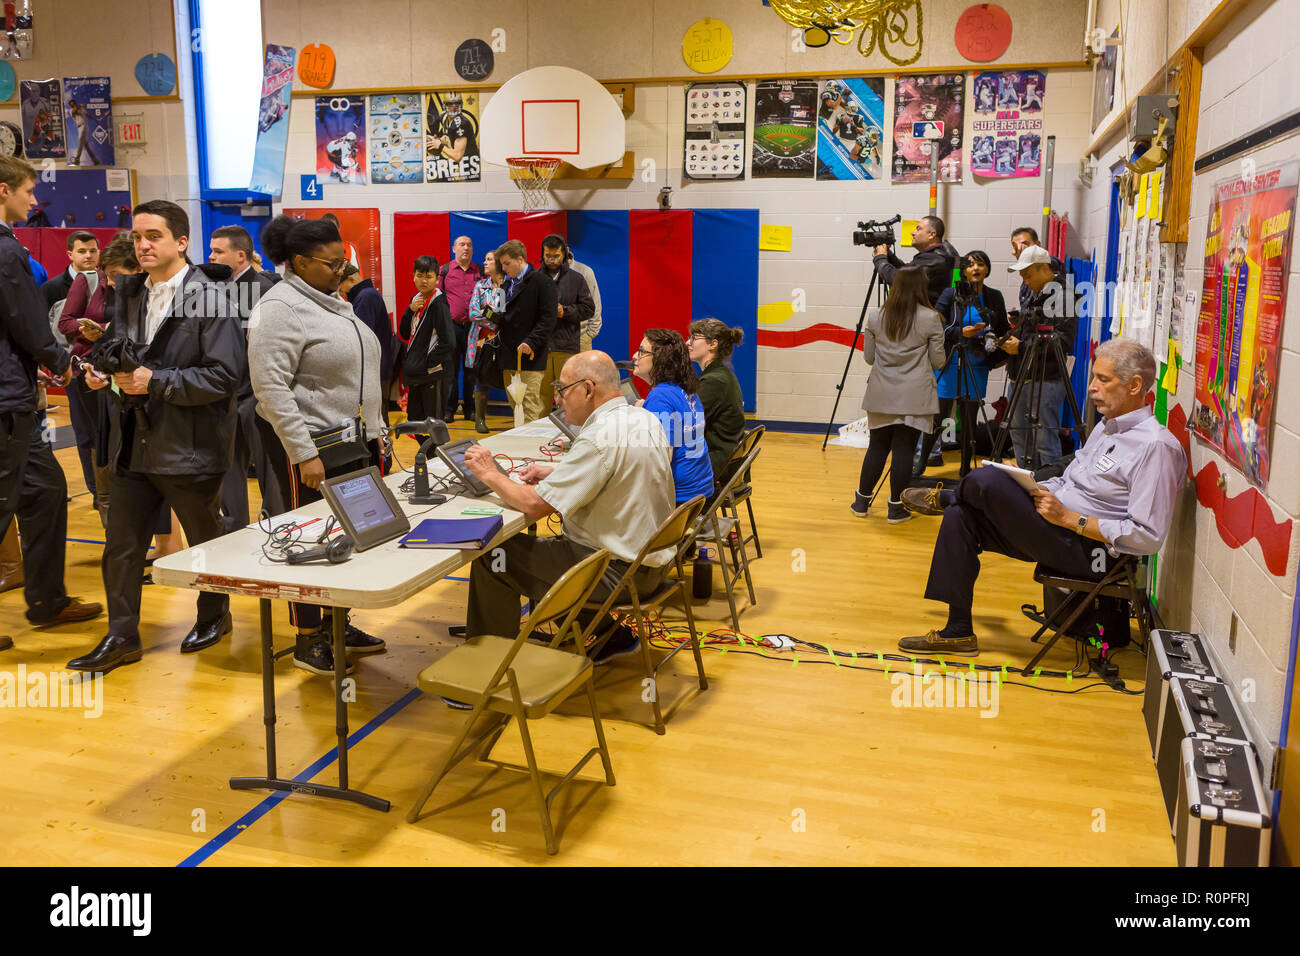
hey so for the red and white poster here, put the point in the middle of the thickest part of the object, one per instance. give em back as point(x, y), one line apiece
point(1007, 132)
point(1243, 301)
point(360, 231)
point(927, 117)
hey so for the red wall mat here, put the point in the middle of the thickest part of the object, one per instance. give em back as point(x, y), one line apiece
point(659, 272)
point(416, 234)
point(531, 228)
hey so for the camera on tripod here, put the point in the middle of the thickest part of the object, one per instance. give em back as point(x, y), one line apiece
point(989, 338)
point(876, 232)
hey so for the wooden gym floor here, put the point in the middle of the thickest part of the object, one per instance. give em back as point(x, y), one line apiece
point(777, 763)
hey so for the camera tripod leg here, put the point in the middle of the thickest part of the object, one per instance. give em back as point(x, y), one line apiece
point(853, 347)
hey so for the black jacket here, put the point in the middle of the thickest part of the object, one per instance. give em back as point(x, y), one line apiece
point(1051, 298)
point(529, 317)
point(1027, 293)
point(249, 287)
point(57, 289)
point(199, 358)
point(938, 261)
point(369, 306)
point(419, 359)
point(571, 292)
point(26, 340)
point(994, 304)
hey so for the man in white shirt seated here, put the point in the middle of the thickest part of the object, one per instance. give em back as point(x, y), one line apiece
point(1116, 497)
point(613, 489)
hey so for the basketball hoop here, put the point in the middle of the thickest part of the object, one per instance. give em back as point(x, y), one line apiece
point(533, 175)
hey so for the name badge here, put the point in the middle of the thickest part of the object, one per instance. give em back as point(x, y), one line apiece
point(1105, 463)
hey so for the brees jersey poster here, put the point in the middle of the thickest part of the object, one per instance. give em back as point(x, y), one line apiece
point(451, 151)
point(341, 140)
point(396, 138)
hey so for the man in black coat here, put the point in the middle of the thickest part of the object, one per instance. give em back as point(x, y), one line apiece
point(937, 257)
point(32, 487)
point(83, 256)
point(429, 361)
point(526, 324)
point(173, 426)
point(232, 246)
point(574, 308)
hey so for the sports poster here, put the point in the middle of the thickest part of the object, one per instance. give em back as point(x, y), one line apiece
point(341, 140)
point(1007, 132)
point(451, 148)
point(359, 229)
point(396, 138)
point(929, 103)
point(785, 128)
point(273, 120)
point(16, 43)
point(88, 120)
point(714, 145)
point(850, 129)
point(42, 110)
point(1239, 329)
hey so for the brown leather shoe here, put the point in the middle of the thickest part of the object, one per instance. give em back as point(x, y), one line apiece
point(76, 611)
point(11, 560)
point(6, 643)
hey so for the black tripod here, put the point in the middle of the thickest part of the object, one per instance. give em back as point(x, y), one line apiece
point(1043, 343)
point(881, 291)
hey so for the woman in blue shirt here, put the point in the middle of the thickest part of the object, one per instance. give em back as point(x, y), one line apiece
point(664, 362)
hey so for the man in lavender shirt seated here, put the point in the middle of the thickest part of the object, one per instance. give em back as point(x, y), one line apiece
point(1116, 497)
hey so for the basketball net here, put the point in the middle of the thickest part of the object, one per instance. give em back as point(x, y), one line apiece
point(533, 175)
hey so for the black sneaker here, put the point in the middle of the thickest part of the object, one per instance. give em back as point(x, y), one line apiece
point(315, 654)
point(621, 643)
point(359, 642)
point(459, 631)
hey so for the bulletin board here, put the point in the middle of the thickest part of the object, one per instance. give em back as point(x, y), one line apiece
point(87, 198)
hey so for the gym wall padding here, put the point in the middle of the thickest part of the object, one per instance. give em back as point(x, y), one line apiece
point(48, 245)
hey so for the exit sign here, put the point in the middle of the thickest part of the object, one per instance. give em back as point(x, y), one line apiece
point(131, 133)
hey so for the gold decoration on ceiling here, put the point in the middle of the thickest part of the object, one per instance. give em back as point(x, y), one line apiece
point(893, 25)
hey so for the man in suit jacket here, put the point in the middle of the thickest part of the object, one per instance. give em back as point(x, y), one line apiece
point(173, 427)
point(526, 324)
point(83, 256)
point(232, 246)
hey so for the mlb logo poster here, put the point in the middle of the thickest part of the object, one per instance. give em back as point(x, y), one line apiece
point(396, 138)
point(1007, 131)
point(850, 129)
point(936, 101)
point(88, 114)
point(341, 140)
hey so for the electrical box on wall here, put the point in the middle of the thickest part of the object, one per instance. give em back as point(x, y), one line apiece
point(1147, 113)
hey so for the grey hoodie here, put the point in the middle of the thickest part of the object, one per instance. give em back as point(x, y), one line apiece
point(306, 364)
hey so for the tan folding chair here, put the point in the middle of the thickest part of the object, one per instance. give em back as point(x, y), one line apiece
point(513, 678)
point(678, 527)
point(744, 492)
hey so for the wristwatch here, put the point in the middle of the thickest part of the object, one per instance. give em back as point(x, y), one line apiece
point(1081, 525)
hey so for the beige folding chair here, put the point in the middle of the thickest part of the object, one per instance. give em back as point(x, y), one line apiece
point(513, 678)
point(744, 492)
point(678, 527)
point(714, 526)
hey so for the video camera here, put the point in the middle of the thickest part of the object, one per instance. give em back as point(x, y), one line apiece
point(876, 233)
point(965, 292)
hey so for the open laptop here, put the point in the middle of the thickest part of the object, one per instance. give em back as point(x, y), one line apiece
point(365, 507)
point(629, 391)
point(453, 455)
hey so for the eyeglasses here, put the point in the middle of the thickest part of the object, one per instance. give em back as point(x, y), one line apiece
point(559, 389)
point(695, 335)
point(336, 265)
point(640, 352)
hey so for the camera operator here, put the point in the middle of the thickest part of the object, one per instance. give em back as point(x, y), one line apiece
point(1046, 305)
point(933, 255)
point(1022, 239)
point(975, 319)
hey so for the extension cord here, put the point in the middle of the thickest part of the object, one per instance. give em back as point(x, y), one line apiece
point(780, 642)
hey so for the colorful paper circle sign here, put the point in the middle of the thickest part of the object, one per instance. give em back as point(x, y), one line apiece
point(707, 46)
point(983, 32)
point(156, 74)
point(316, 65)
point(474, 60)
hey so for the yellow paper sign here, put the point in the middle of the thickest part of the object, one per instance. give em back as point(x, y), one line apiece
point(1170, 382)
point(707, 46)
point(1143, 191)
point(775, 238)
point(905, 232)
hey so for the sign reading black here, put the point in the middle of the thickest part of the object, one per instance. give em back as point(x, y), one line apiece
point(474, 60)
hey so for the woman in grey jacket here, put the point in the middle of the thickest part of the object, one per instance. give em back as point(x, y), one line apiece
point(313, 365)
point(903, 343)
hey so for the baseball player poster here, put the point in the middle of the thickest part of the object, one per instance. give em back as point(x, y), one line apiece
point(42, 111)
point(396, 138)
point(1243, 303)
point(341, 140)
point(785, 128)
point(1007, 132)
point(850, 129)
point(931, 102)
point(451, 152)
point(273, 120)
point(88, 113)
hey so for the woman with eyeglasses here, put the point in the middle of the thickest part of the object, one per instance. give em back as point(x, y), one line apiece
point(664, 362)
point(314, 366)
point(710, 345)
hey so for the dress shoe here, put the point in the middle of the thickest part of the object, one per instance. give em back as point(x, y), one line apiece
point(928, 501)
point(205, 635)
point(935, 643)
point(111, 652)
point(6, 643)
point(76, 611)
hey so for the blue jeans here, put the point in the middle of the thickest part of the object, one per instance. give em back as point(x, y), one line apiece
point(1049, 422)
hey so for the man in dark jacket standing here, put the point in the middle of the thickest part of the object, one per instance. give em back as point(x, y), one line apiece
point(526, 324)
point(173, 426)
point(368, 304)
point(32, 487)
point(457, 279)
point(574, 309)
point(431, 346)
point(83, 256)
point(937, 257)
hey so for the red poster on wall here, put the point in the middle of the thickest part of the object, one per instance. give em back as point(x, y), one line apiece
point(1239, 328)
point(360, 231)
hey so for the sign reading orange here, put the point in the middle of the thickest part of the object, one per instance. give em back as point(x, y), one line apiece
point(316, 65)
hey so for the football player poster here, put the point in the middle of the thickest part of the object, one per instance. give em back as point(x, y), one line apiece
point(42, 109)
point(785, 128)
point(88, 113)
point(341, 140)
point(933, 100)
point(850, 125)
point(1007, 132)
point(451, 138)
point(396, 138)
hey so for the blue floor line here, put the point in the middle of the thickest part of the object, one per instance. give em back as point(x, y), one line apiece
point(259, 811)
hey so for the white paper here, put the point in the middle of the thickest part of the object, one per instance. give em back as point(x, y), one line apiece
point(117, 180)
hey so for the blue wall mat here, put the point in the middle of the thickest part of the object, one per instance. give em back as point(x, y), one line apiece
point(485, 228)
point(724, 249)
point(599, 239)
point(80, 198)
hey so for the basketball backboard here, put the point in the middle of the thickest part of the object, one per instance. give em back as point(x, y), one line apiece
point(553, 111)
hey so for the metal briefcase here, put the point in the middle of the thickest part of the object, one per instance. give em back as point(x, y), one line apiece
point(1222, 812)
point(1199, 707)
point(1169, 654)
